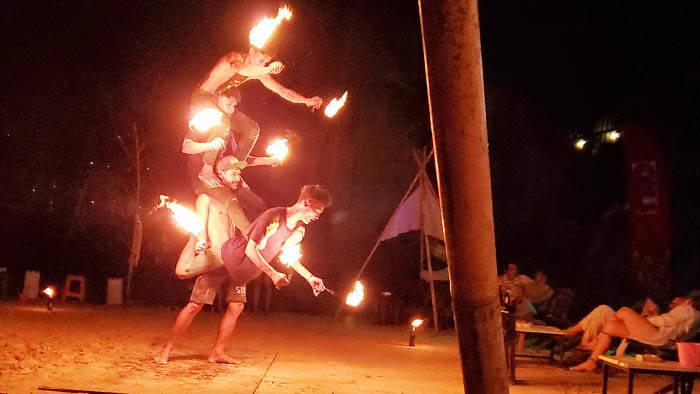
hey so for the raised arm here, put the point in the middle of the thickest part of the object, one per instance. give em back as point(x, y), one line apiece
point(202, 209)
point(253, 253)
point(289, 94)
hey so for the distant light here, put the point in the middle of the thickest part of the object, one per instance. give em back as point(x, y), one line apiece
point(580, 143)
point(33, 190)
point(92, 202)
point(148, 168)
point(417, 322)
point(53, 186)
point(612, 136)
point(92, 163)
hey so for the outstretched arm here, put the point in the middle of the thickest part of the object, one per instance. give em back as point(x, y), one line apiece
point(315, 283)
point(191, 147)
point(253, 253)
point(289, 94)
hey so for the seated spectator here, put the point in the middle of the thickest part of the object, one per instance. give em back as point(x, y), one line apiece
point(512, 288)
point(592, 325)
point(538, 291)
point(680, 322)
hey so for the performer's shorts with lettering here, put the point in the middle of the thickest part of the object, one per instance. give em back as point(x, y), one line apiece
point(208, 285)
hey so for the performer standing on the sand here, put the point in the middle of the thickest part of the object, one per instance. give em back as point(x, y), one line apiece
point(222, 217)
point(245, 257)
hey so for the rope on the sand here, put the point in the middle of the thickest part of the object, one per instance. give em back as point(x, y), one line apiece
point(265, 374)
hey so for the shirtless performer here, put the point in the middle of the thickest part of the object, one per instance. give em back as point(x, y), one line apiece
point(222, 216)
point(228, 74)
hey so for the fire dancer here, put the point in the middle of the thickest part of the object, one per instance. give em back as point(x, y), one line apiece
point(209, 137)
point(228, 74)
point(246, 257)
point(221, 216)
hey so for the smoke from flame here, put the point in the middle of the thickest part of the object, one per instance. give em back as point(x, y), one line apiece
point(263, 30)
point(184, 218)
point(356, 296)
point(335, 105)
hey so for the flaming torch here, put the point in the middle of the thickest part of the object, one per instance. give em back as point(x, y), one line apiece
point(50, 292)
point(184, 218)
point(264, 29)
point(206, 119)
point(356, 296)
point(335, 105)
point(278, 149)
point(412, 338)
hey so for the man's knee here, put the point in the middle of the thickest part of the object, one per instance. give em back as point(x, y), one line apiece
point(193, 308)
point(235, 307)
point(624, 312)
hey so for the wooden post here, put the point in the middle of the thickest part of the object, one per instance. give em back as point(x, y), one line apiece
point(454, 74)
point(137, 234)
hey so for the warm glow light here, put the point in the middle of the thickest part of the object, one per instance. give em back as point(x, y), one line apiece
point(290, 254)
point(206, 119)
point(264, 29)
point(356, 296)
point(49, 291)
point(278, 149)
point(580, 143)
point(184, 218)
point(612, 136)
point(335, 105)
point(417, 322)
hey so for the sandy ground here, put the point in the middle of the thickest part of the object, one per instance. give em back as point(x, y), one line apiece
point(110, 349)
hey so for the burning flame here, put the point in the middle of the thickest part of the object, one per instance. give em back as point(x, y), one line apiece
point(580, 143)
point(278, 149)
point(264, 29)
point(206, 119)
point(185, 218)
point(356, 296)
point(49, 291)
point(417, 322)
point(290, 254)
point(612, 136)
point(335, 105)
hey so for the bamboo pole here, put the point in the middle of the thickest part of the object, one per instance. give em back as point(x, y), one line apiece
point(454, 76)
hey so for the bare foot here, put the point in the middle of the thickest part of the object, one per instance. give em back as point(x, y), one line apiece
point(222, 358)
point(586, 366)
point(162, 357)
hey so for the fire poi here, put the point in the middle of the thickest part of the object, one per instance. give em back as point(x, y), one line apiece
point(206, 119)
point(356, 296)
point(184, 218)
point(278, 149)
point(335, 105)
point(263, 30)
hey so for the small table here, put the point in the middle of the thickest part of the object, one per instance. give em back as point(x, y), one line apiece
point(683, 377)
point(527, 328)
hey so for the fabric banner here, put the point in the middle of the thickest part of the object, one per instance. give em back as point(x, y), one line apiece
point(408, 216)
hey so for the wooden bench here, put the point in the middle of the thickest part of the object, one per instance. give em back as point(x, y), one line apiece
point(683, 377)
point(527, 328)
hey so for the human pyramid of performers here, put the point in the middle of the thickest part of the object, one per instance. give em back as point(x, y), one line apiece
point(230, 250)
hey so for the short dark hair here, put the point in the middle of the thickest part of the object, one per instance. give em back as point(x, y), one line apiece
point(315, 194)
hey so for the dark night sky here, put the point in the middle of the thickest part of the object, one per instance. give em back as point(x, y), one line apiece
point(78, 74)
